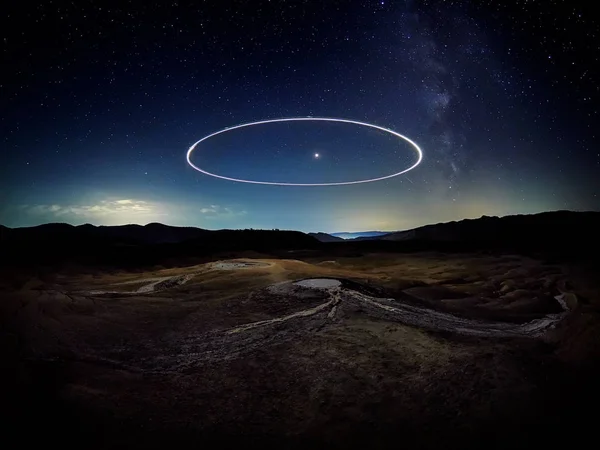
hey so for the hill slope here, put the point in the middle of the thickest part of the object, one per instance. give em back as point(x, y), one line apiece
point(324, 237)
point(134, 244)
point(549, 228)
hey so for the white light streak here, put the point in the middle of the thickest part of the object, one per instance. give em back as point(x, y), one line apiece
point(306, 119)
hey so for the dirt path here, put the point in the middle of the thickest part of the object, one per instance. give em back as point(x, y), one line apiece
point(392, 310)
point(230, 343)
point(277, 320)
point(152, 285)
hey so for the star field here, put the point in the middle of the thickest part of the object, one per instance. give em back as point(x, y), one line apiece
point(102, 102)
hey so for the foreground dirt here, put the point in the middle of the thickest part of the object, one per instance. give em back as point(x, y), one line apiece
point(233, 353)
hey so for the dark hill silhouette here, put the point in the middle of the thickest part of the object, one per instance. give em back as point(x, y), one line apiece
point(324, 237)
point(560, 233)
point(555, 234)
point(359, 234)
point(153, 233)
point(549, 229)
point(131, 245)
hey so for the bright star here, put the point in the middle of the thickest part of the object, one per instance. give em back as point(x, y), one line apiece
point(317, 156)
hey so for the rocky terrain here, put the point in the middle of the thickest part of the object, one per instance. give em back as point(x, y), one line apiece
point(441, 350)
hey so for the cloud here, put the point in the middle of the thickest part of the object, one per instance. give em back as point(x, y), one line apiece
point(221, 212)
point(118, 211)
point(105, 211)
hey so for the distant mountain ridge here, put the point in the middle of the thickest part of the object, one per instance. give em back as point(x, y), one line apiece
point(152, 233)
point(135, 244)
point(550, 227)
point(565, 232)
point(324, 237)
point(359, 234)
point(541, 231)
point(348, 236)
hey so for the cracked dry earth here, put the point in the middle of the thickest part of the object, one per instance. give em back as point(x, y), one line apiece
point(230, 343)
point(180, 352)
point(302, 352)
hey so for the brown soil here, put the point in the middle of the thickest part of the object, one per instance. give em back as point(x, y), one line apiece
point(164, 369)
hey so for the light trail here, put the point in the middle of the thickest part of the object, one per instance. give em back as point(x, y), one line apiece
point(306, 119)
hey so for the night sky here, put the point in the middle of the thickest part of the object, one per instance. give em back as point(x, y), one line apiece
point(100, 104)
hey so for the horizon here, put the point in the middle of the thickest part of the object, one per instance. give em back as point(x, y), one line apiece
point(331, 233)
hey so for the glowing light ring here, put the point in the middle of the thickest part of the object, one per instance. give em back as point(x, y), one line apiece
point(306, 119)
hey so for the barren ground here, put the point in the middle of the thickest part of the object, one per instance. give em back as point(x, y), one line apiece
point(427, 350)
